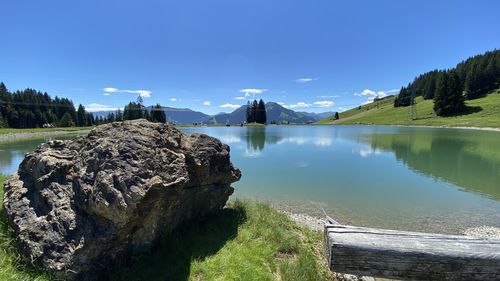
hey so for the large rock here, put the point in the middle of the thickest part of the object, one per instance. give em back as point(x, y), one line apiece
point(75, 205)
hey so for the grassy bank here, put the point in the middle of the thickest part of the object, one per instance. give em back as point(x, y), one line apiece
point(41, 130)
point(246, 241)
point(482, 112)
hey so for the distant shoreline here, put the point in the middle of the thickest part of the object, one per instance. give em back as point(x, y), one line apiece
point(23, 135)
point(492, 129)
point(14, 136)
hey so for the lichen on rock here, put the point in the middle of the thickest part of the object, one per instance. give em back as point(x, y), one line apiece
point(78, 204)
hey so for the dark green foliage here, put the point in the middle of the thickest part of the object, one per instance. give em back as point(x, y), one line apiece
point(404, 98)
point(477, 76)
point(133, 110)
point(31, 109)
point(261, 116)
point(256, 112)
point(337, 116)
point(448, 99)
point(66, 121)
point(158, 114)
point(81, 116)
point(472, 78)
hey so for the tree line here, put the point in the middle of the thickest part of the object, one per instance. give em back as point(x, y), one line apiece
point(470, 79)
point(30, 108)
point(256, 112)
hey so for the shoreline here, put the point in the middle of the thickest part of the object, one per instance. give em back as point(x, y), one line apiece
point(490, 129)
point(317, 224)
point(14, 136)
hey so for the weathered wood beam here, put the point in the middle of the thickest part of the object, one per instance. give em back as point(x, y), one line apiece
point(410, 255)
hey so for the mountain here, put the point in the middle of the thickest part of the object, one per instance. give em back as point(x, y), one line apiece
point(177, 115)
point(184, 115)
point(103, 113)
point(275, 112)
point(317, 116)
point(279, 114)
point(237, 116)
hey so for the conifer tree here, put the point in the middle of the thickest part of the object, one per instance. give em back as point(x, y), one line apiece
point(158, 114)
point(261, 112)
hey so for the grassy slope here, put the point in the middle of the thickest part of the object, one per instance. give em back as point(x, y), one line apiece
point(38, 130)
point(247, 241)
point(482, 112)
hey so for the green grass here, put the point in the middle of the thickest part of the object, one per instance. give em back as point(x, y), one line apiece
point(245, 241)
point(482, 112)
point(39, 130)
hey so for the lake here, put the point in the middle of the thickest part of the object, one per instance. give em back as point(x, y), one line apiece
point(423, 179)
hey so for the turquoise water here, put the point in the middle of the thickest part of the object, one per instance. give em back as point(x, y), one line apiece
point(442, 180)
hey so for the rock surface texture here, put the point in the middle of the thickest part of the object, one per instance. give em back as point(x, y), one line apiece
point(76, 205)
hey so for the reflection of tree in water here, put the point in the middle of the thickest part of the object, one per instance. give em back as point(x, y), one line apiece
point(257, 138)
point(446, 157)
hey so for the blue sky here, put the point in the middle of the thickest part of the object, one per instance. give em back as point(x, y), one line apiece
point(206, 55)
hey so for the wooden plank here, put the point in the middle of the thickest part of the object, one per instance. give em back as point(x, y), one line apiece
point(410, 255)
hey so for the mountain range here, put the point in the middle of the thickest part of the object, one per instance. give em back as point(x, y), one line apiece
point(275, 112)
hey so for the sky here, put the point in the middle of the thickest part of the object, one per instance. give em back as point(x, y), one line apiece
point(212, 56)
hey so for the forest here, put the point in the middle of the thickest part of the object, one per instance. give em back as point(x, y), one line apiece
point(30, 108)
point(470, 79)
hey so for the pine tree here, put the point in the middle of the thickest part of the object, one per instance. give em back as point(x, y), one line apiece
point(66, 120)
point(158, 114)
point(249, 113)
point(448, 99)
point(255, 105)
point(456, 97)
point(3, 122)
point(261, 112)
point(337, 116)
point(81, 116)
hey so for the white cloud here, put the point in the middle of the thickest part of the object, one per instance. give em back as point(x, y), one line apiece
point(173, 99)
point(94, 107)
point(305, 80)
point(299, 105)
point(239, 98)
point(110, 90)
point(106, 94)
point(369, 151)
point(324, 103)
point(251, 92)
point(306, 105)
point(372, 95)
point(207, 103)
point(228, 105)
point(142, 93)
point(328, 97)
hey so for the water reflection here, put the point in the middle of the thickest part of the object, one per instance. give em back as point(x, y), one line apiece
point(404, 178)
point(470, 160)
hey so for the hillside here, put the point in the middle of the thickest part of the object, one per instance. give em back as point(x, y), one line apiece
point(481, 112)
